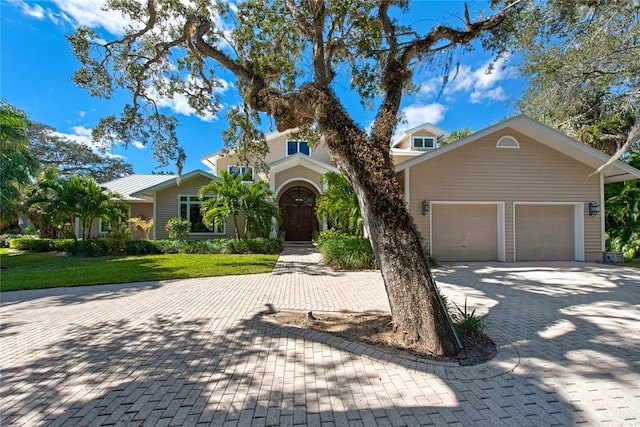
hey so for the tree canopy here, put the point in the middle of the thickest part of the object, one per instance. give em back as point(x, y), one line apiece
point(75, 158)
point(17, 164)
point(583, 66)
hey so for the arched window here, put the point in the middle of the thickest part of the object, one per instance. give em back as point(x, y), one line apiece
point(507, 141)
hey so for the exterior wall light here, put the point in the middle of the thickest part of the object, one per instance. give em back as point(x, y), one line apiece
point(594, 209)
point(425, 207)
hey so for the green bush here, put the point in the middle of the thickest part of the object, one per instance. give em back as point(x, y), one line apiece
point(66, 245)
point(212, 246)
point(93, 247)
point(347, 252)
point(117, 240)
point(178, 228)
point(5, 239)
point(142, 247)
point(32, 244)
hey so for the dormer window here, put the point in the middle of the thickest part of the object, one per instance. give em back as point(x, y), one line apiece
point(246, 172)
point(507, 142)
point(424, 142)
point(294, 147)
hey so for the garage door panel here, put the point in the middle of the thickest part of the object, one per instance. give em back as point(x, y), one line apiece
point(462, 232)
point(544, 233)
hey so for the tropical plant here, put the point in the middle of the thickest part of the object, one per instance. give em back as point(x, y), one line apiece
point(260, 210)
point(143, 225)
point(178, 228)
point(80, 197)
point(17, 163)
point(338, 205)
point(228, 196)
point(622, 214)
point(467, 322)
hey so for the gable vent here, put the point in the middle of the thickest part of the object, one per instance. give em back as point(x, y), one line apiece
point(507, 141)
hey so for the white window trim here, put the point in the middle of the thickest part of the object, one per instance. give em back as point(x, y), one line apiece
point(432, 138)
point(250, 167)
point(286, 147)
point(199, 233)
point(504, 139)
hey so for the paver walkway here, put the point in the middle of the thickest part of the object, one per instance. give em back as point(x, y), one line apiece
point(198, 352)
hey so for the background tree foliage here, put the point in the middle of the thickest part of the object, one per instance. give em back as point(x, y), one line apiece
point(17, 164)
point(74, 158)
point(583, 66)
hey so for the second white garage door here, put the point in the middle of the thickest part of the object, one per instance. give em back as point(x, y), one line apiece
point(544, 232)
point(464, 232)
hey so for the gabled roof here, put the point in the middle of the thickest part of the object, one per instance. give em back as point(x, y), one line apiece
point(140, 187)
point(130, 184)
point(433, 129)
point(618, 171)
point(210, 159)
point(175, 180)
point(299, 159)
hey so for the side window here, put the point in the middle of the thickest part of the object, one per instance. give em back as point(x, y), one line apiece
point(424, 142)
point(246, 172)
point(190, 210)
point(294, 147)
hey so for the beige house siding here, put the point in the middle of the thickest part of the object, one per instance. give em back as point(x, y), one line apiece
point(144, 211)
point(167, 205)
point(299, 173)
point(533, 173)
point(406, 142)
point(277, 151)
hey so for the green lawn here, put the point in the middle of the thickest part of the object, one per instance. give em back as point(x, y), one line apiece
point(50, 270)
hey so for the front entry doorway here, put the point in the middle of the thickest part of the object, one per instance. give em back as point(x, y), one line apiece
point(297, 206)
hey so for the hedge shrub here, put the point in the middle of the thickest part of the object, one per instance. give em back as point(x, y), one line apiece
point(347, 252)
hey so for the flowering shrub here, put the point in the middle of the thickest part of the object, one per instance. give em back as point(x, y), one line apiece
point(178, 228)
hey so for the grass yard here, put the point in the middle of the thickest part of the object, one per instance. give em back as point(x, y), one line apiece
point(50, 270)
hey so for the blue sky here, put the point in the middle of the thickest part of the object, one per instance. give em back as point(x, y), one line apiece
point(36, 66)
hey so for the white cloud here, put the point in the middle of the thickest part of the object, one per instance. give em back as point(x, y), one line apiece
point(90, 13)
point(139, 145)
point(82, 135)
point(418, 114)
point(482, 83)
point(497, 94)
point(35, 11)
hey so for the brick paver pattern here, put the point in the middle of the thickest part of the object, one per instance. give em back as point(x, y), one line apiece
point(200, 352)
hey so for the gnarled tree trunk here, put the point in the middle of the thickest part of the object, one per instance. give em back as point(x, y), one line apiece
point(417, 311)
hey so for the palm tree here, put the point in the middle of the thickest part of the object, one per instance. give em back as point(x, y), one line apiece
point(260, 209)
point(228, 196)
point(17, 164)
point(80, 197)
point(338, 205)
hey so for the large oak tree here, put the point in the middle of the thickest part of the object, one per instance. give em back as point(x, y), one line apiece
point(287, 56)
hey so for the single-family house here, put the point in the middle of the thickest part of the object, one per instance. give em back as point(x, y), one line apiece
point(515, 191)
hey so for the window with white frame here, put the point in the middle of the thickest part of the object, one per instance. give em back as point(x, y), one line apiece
point(246, 172)
point(190, 210)
point(294, 147)
point(104, 226)
point(424, 142)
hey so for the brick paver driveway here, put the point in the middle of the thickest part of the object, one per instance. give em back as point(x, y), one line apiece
point(197, 351)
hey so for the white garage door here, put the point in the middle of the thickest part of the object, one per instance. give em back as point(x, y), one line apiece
point(544, 233)
point(464, 232)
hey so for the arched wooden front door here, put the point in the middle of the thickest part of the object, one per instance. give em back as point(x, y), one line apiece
point(297, 207)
